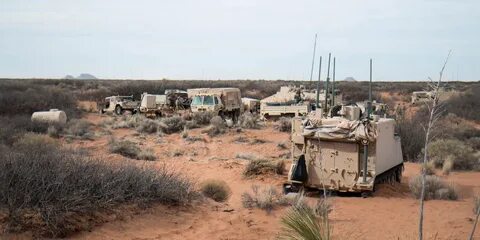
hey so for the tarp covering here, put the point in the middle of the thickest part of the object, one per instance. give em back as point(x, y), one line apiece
point(339, 128)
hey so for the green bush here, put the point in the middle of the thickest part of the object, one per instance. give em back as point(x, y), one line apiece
point(217, 190)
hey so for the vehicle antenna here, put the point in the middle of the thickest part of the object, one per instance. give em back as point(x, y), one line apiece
point(313, 60)
point(317, 103)
point(326, 86)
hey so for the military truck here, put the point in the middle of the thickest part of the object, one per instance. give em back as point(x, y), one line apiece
point(119, 104)
point(225, 102)
point(428, 96)
point(251, 105)
point(345, 153)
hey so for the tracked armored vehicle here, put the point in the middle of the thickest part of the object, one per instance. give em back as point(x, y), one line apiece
point(345, 149)
point(344, 153)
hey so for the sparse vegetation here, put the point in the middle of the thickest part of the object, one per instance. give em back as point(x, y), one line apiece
point(79, 128)
point(130, 150)
point(215, 189)
point(52, 191)
point(249, 121)
point(461, 155)
point(217, 127)
point(263, 166)
point(266, 198)
point(202, 118)
point(173, 124)
point(435, 188)
point(282, 145)
point(147, 126)
point(284, 124)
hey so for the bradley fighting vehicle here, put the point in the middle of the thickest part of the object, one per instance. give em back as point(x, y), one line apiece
point(344, 149)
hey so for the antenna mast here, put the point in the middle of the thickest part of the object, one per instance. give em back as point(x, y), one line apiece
point(317, 103)
point(333, 84)
point(313, 60)
point(325, 108)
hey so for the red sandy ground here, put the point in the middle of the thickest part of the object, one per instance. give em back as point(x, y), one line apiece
point(391, 214)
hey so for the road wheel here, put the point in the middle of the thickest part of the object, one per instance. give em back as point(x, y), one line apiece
point(118, 110)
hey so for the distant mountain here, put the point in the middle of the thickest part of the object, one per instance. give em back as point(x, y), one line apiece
point(350, 79)
point(83, 76)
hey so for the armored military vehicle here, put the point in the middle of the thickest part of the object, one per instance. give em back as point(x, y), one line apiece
point(225, 102)
point(344, 148)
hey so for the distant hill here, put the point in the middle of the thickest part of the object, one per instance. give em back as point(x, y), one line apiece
point(350, 79)
point(83, 76)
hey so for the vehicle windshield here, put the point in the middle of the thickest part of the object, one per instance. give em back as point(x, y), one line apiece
point(208, 100)
point(197, 100)
point(126, 98)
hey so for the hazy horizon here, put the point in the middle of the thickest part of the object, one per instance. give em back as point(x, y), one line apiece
point(228, 40)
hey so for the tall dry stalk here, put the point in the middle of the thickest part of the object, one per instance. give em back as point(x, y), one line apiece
point(435, 113)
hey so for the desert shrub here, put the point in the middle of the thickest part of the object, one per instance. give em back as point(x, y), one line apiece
point(284, 124)
point(171, 125)
point(466, 104)
point(257, 141)
point(447, 165)
point(202, 118)
point(194, 139)
point(129, 121)
point(241, 139)
point(184, 133)
point(191, 124)
point(267, 198)
point(217, 190)
point(435, 188)
point(217, 127)
point(52, 191)
point(249, 121)
point(462, 155)
point(430, 168)
point(263, 166)
point(474, 143)
point(130, 150)
point(452, 126)
point(411, 133)
point(302, 222)
point(79, 128)
point(147, 126)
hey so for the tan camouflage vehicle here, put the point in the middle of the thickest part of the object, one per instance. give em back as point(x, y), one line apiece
point(225, 102)
point(346, 151)
point(119, 104)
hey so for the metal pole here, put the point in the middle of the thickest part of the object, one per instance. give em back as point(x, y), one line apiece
point(365, 161)
point(318, 83)
point(369, 104)
point(333, 84)
point(325, 108)
point(313, 60)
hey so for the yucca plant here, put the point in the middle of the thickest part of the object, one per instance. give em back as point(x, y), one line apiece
point(302, 223)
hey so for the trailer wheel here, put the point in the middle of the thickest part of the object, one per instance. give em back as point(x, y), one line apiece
point(366, 194)
point(118, 110)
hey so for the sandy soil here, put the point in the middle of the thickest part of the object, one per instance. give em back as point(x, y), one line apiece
point(391, 214)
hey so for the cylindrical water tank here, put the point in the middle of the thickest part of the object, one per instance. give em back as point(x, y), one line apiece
point(54, 116)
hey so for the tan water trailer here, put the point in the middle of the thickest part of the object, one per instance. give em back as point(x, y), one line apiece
point(54, 116)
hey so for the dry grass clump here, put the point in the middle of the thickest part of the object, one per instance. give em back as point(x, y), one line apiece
point(130, 150)
point(249, 121)
point(284, 124)
point(435, 188)
point(247, 156)
point(267, 198)
point(79, 128)
point(217, 190)
point(194, 139)
point(171, 125)
point(147, 126)
point(257, 141)
point(241, 139)
point(263, 166)
point(217, 127)
point(52, 191)
point(461, 155)
point(128, 121)
point(429, 168)
point(202, 118)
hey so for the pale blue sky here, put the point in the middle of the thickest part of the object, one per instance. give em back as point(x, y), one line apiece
point(248, 39)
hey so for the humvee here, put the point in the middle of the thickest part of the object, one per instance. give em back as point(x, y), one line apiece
point(119, 104)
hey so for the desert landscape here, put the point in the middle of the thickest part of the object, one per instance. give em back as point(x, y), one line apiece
point(195, 149)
